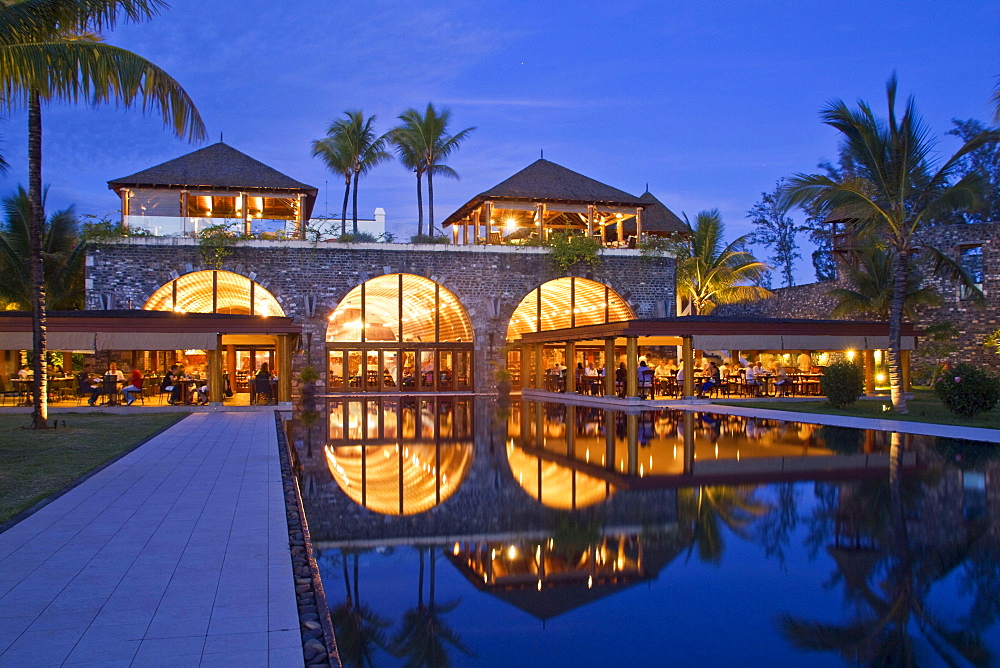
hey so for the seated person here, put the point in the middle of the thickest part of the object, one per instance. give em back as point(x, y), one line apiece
point(171, 384)
point(113, 370)
point(646, 375)
point(202, 391)
point(621, 376)
point(88, 383)
point(134, 387)
point(714, 378)
point(782, 382)
point(751, 377)
point(263, 382)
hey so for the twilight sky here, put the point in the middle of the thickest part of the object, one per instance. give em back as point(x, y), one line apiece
point(708, 102)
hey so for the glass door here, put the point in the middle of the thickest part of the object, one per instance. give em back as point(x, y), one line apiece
point(335, 371)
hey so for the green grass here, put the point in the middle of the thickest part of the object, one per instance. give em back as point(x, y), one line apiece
point(924, 407)
point(36, 464)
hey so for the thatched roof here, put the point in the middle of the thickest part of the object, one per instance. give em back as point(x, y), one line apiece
point(656, 217)
point(545, 181)
point(218, 166)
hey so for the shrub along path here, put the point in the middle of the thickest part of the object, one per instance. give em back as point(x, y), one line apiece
point(924, 407)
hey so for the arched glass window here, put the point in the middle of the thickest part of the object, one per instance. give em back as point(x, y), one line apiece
point(567, 302)
point(399, 308)
point(214, 292)
point(553, 484)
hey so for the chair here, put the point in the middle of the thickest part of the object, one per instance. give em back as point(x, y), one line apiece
point(4, 392)
point(261, 386)
point(496, 238)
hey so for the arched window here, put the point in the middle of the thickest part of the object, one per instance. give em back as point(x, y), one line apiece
point(401, 308)
point(567, 302)
point(214, 292)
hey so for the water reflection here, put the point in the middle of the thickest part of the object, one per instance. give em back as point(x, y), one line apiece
point(550, 509)
point(410, 455)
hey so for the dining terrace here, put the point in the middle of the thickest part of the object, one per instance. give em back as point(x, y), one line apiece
point(650, 358)
point(214, 358)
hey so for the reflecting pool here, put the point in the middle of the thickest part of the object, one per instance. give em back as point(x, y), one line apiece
point(452, 530)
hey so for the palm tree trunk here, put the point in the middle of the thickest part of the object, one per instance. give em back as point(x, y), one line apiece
point(899, 262)
point(357, 596)
point(357, 177)
point(40, 387)
point(420, 204)
point(430, 203)
point(347, 578)
point(430, 596)
point(420, 581)
point(343, 211)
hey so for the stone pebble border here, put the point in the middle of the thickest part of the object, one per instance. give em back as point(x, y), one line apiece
point(319, 646)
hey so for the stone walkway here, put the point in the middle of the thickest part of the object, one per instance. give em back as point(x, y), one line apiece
point(175, 555)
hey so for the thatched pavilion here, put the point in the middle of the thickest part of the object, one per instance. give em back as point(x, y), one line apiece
point(545, 198)
point(213, 185)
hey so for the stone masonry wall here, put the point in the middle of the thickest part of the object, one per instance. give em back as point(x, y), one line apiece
point(974, 323)
point(309, 280)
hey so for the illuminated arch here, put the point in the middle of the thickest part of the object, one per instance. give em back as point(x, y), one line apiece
point(567, 302)
point(214, 291)
point(399, 308)
point(555, 485)
point(391, 482)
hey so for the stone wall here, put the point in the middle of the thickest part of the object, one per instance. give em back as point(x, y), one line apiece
point(974, 323)
point(309, 280)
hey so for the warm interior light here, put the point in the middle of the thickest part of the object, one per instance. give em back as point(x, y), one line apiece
point(880, 377)
point(511, 224)
point(850, 355)
point(512, 552)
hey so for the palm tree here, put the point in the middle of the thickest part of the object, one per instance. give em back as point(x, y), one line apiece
point(47, 53)
point(871, 284)
point(335, 154)
point(709, 273)
point(424, 636)
point(351, 148)
point(61, 250)
point(423, 144)
point(703, 508)
point(359, 630)
point(892, 194)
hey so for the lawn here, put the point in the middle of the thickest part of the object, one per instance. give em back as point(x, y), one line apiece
point(36, 464)
point(924, 407)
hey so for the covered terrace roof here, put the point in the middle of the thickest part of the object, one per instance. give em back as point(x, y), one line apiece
point(137, 330)
point(545, 181)
point(712, 333)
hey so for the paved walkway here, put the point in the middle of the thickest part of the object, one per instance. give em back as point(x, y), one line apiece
point(176, 555)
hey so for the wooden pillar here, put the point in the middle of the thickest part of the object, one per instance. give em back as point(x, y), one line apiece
point(540, 220)
point(185, 194)
point(243, 203)
point(688, 420)
point(632, 366)
point(632, 430)
point(638, 225)
point(609, 367)
point(570, 366)
point(687, 355)
point(590, 220)
point(905, 363)
point(539, 371)
point(570, 431)
point(215, 372)
point(231, 366)
point(527, 357)
point(284, 369)
point(300, 218)
point(125, 194)
point(869, 365)
point(487, 215)
point(465, 232)
point(621, 228)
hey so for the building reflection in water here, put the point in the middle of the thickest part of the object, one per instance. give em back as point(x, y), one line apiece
point(571, 457)
point(575, 566)
point(400, 456)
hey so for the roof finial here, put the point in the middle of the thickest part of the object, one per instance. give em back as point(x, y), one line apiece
point(220, 138)
point(543, 153)
point(647, 186)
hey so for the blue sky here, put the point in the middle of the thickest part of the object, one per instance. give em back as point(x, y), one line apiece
point(707, 102)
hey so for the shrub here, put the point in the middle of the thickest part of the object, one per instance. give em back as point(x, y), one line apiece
point(308, 374)
point(429, 239)
point(968, 390)
point(568, 250)
point(843, 383)
point(359, 238)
